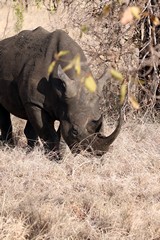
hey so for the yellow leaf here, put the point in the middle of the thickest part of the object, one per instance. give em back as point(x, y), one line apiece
point(90, 84)
point(84, 28)
point(106, 10)
point(141, 81)
point(135, 12)
point(120, 2)
point(123, 92)
point(60, 54)
point(77, 64)
point(51, 67)
point(116, 74)
point(129, 14)
point(69, 66)
point(155, 20)
point(134, 102)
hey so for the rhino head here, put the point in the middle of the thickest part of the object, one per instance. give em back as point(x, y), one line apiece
point(82, 122)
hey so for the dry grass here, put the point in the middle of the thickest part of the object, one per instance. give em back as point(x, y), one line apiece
point(116, 197)
point(83, 197)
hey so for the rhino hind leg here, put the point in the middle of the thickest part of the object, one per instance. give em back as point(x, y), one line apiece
point(31, 135)
point(5, 126)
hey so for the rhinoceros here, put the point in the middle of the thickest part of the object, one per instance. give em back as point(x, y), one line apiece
point(30, 92)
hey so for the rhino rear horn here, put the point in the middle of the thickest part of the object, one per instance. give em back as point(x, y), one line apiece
point(70, 84)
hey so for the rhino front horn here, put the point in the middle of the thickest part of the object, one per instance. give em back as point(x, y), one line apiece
point(101, 143)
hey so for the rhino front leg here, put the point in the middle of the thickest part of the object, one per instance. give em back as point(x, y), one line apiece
point(5, 126)
point(43, 127)
point(30, 134)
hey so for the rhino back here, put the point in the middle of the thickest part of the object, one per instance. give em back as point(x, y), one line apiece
point(24, 61)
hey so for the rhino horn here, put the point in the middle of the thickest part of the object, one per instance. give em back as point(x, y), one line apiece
point(101, 143)
point(70, 84)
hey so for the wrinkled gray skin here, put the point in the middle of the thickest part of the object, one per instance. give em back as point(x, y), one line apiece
point(27, 92)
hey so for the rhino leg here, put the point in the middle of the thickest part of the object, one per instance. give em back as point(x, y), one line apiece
point(5, 126)
point(30, 134)
point(43, 126)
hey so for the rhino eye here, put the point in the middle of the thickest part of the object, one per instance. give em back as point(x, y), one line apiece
point(94, 126)
point(99, 127)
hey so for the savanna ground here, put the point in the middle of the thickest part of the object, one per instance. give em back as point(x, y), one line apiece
point(113, 197)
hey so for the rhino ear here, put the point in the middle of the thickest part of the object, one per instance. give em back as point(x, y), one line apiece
point(70, 85)
point(102, 81)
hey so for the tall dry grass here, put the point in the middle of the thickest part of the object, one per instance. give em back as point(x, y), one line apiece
point(113, 197)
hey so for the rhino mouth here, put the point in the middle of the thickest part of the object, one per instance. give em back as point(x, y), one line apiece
point(87, 145)
point(96, 143)
point(90, 144)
